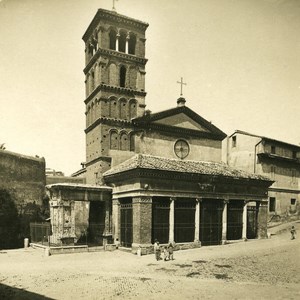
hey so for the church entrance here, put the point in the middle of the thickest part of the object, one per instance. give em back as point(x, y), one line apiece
point(160, 219)
point(126, 223)
point(184, 220)
point(252, 212)
point(211, 222)
point(235, 220)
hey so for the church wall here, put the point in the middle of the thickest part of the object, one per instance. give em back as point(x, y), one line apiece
point(161, 144)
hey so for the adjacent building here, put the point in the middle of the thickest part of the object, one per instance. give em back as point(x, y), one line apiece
point(277, 160)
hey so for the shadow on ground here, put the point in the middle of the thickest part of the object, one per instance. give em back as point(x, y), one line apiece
point(13, 293)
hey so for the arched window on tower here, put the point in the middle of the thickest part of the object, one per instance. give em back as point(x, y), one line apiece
point(131, 43)
point(92, 78)
point(122, 41)
point(112, 39)
point(122, 108)
point(132, 142)
point(124, 142)
point(122, 76)
point(113, 108)
point(113, 140)
point(132, 109)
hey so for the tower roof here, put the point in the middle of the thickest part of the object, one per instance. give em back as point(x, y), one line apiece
point(113, 16)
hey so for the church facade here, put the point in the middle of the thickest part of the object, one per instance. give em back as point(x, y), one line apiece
point(165, 169)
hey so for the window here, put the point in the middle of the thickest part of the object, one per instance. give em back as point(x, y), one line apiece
point(293, 201)
point(122, 76)
point(233, 141)
point(122, 42)
point(131, 44)
point(272, 204)
point(294, 154)
point(273, 149)
point(112, 40)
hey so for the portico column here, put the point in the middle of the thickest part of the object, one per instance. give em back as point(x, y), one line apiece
point(197, 220)
point(244, 233)
point(171, 220)
point(116, 219)
point(107, 235)
point(224, 221)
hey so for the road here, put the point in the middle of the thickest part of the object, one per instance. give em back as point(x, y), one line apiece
point(256, 269)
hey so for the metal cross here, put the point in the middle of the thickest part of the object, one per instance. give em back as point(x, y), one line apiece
point(114, 9)
point(181, 83)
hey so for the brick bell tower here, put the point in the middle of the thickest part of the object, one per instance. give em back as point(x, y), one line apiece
point(115, 89)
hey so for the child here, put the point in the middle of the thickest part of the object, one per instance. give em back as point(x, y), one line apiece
point(166, 253)
point(157, 250)
point(293, 233)
point(170, 251)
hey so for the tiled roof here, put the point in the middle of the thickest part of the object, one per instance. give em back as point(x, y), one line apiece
point(149, 162)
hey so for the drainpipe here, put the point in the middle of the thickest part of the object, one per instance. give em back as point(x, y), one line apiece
point(255, 160)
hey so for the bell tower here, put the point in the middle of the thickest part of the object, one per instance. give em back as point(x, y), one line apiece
point(115, 89)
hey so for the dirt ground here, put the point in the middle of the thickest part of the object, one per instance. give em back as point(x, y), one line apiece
point(256, 269)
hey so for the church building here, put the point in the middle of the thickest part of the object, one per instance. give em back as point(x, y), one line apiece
point(165, 169)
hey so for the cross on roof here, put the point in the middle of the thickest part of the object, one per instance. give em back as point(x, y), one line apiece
point(113, 8)
point(181, 83)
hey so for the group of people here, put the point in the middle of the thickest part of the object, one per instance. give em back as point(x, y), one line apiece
point(167, 251)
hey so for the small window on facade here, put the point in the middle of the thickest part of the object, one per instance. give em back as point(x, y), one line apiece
point(293, 201)
point(294, 154)
point(233, 141)
point(273, 149)
point(272, 204)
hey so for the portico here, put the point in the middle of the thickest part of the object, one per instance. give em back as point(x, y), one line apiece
point(187, 202)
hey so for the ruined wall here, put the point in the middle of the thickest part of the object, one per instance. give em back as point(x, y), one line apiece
point(22, 190)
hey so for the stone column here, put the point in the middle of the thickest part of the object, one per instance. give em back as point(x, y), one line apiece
point(197, 220)
point(262, 219)
point(126, 46)
point(142, 222)
point(171, 220)
point(244, 233)
point(117, 42)
point(116, 219)
point(224, 221)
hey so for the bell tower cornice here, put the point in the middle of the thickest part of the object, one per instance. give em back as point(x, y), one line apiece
point(113, 53)
point(115, 90)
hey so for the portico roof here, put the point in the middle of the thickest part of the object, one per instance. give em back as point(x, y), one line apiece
point(149, 162)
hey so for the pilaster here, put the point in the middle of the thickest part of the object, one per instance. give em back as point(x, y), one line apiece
point(262, 219)
point(142, 220)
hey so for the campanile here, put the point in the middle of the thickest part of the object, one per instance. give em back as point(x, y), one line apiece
point(115, 88)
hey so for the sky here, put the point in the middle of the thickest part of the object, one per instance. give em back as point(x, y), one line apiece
point(239, 58)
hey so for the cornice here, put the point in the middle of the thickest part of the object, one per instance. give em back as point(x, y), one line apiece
point(275, 157)
point(108, 121)
point(115, 90)
point(181, 131)
point(114, 53)
point(106, 158)
point(115, 17)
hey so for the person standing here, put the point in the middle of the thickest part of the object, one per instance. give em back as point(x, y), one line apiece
point(293, 233)
point(157, 250)
point(170, 251)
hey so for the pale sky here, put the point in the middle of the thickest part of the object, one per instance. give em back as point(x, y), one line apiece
point(240, 59)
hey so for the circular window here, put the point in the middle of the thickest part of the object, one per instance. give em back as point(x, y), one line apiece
point(181, 149)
